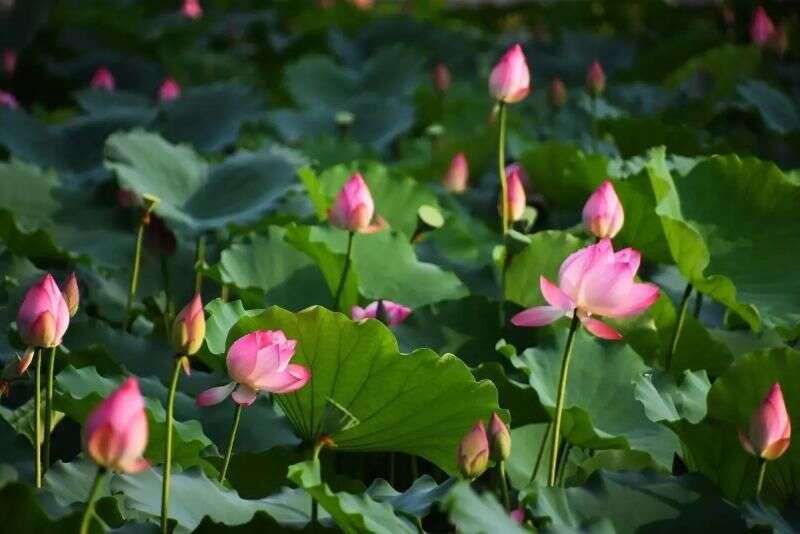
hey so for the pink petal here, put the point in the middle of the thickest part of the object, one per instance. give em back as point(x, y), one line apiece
point(640, 297)
point(630, 256)
point(292, 379)
point(575, 266)
point(537, 316)
point(213, 396)
point(600, 329)
point(244, 395)
point(605, 288)
point(554, 296)
point(243, 356)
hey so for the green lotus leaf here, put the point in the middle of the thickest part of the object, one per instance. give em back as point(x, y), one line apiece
point(475, 514)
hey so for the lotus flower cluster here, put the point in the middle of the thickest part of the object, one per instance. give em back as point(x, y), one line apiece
point(510, 81)
point(44, 315)
point(257, 362)
point(354, 209)
point(477, 447)
point(770, 428)
point(393, 312)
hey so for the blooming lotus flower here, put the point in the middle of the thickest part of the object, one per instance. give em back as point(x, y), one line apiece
point(395, 313)
point(594, 281)
point(516, 192)
point(71, 293)
point(499, 439)
point(354, 208)
point(558, 93)
point(103, 80)
point(258, 361)
point(761, 27)
point(595, 79)
point(115, 434)
point(442, 77)
point(603, 215)
point(7, 100)
point(457, 175)
point(510, 79)
point(170, 90)
point(770, 427)
point(473, 452)
point(189, 328)
point(9, 62)
point(43, 316)
point(192, 9)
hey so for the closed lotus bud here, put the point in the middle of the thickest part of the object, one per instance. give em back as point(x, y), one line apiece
point(595, 79)
point(71, 293)
point(189, 328)
point(9, 62)
point(473, 452)
point(115, 433)
point(770, 427)
point(170, 90)
point(192, 9)
point(103, 80)
point(442, 77)
point(7, 100)
point(603, 215)
point(457, 175)
point(510, 80)
point(518, 515)
point(761, 27)
point(516, 193)
point(558, 93)
point(499, 439)
point(353, 208)
point(43, 316)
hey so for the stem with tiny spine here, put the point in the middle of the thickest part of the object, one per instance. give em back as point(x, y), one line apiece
point(48, 409)
point(89, 511)
point(501, 164)
point(176, 373)
point(562, 389)
point(345, 271)
point(234, 429)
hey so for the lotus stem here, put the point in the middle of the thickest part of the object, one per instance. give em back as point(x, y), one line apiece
point(200, 259)
point(762, 469)
point(501, 163)
point(89, 511)
point(345, 271)
point(37, 408)
point(168, 445)
point(678, 326)
point(698, 304)
point(501, 475)
point(48, 409)
point(540, 454)
point(595, 133)
point(137, 259)
point(562, 389)
point(237, 417)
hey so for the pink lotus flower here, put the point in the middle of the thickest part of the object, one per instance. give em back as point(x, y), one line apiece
point(192, 9)
point(258, 361)
point(9, 62)
point(457, 175)
point(593, 281)
point(7, 100)
point(510, 79)
point(595, 79)
point(473, 452)
point(499, 438)
point(516, 192)
point(603, 215)
point(115, 434)
point(518, 515)
point(103, 80)
point(395, 313)
point(558, 93)
point(442, 77)
point(761, 27)
point(770, 427)
point(170, 90)
point(43, 316)
point(354, 208)
point(71, 293)
point(189, 328)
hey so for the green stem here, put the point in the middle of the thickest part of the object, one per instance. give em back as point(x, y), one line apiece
point(224, 293)
point(678, 326)
point(761, 470)
point(566, 448)
point(314, 504)
point(168, 446)
point(37, 408)
point(199, 261)
point(541, 453)
point(562, 389)
point(340, 288)
point(594, 124)
point(698, 304)
point(501, 163)
point(137, 259)
point(89, 511)
point(48, 409)
point(234, 429)
point(501, 474)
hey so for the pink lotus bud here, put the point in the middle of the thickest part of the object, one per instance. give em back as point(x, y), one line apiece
point(761, 27)
point(510, 79)
point(9, 62)
point(7, 100)
point(258, 361)
point(103, 80)
point(43, 316)
point(25, 361)
point(603, 215)
point(364, 5)
point(473, 452)
point(558, 93)
point(595, 79)
point(393, 313)
point(71, 293)
point(189, 328)
point(353, 208)
point(115, 433)
point(442, 77)
point(170, 90)
point(779, 42)
point(518, 515)
point(770, 427)
point(457, 175)
point(516, 193)
point(500, 439)
point(192, 9)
